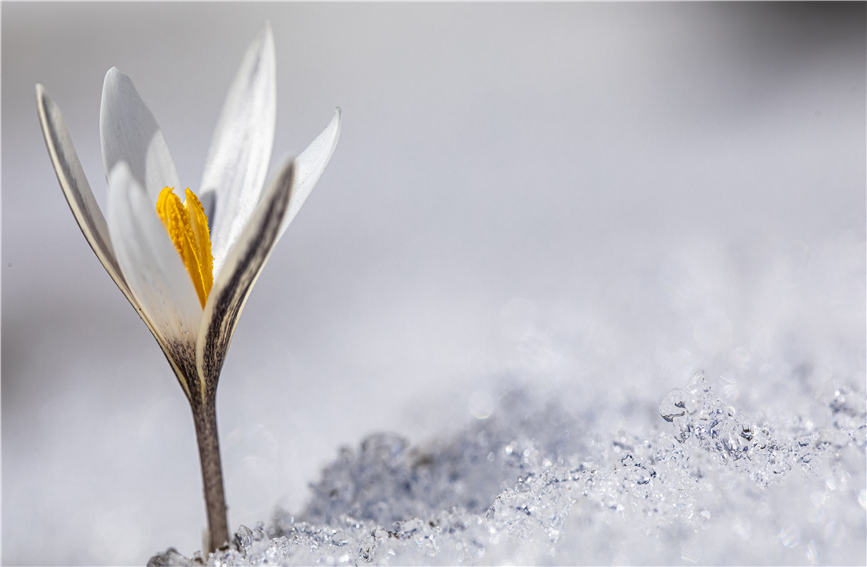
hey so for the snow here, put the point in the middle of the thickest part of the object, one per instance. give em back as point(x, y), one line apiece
point(538, 481)
point(535, 227)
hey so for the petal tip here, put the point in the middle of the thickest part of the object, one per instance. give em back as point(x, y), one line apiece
point(336, 121)
point(264, 42)
point(114, 77)
point(42, 100)
point(44, 105)
point(120, 170)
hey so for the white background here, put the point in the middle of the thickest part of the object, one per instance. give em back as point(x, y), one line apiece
point(600, 198)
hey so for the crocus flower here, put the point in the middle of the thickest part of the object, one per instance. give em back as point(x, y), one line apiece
point(188, 267)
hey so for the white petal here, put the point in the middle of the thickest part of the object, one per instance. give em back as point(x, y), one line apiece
point(242, 266)
point(150, 264)
point(77, 190)
point(310, 165)
point(88, 215)
point(241, 147)
point(130, 134)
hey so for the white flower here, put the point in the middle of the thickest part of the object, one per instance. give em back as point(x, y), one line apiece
point(246, 217)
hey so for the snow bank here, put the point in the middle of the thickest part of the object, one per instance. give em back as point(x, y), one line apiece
point(541, 479)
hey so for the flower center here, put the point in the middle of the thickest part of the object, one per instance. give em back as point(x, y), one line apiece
point(187, 226)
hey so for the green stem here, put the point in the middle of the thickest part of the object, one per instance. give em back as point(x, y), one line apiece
point(205, 419)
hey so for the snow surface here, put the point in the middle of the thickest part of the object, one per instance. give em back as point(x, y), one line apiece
point(534, 479)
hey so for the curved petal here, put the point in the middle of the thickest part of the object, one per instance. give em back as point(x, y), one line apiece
point(233, 284)
point(151, 265)
point(77, 190)
point(310, 165)
point(241, 147)
point(129, 133)
point(86, 210)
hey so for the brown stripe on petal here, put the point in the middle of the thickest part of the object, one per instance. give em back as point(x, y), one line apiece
point(87, 213)
point(182, 357)
point(77, 190)
point(229, 295)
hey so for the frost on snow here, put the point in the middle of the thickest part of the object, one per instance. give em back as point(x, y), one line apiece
point(536, 482)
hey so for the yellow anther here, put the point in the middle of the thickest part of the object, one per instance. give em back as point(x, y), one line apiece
point(187, 226)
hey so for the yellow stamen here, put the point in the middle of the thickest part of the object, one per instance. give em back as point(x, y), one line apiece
point(187, 226)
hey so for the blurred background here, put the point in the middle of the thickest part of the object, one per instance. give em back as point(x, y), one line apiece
point(595, 199)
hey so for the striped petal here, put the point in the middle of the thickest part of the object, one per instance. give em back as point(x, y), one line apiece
point(87, 213)
point(240, 150)
point(130, 134)
point(233, 283)
point(77, 190)
point(151, 265)
point(310, 165)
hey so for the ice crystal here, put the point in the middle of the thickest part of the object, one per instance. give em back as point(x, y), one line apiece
point(535, 483)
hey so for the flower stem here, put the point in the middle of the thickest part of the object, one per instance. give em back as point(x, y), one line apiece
point(205, 419)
